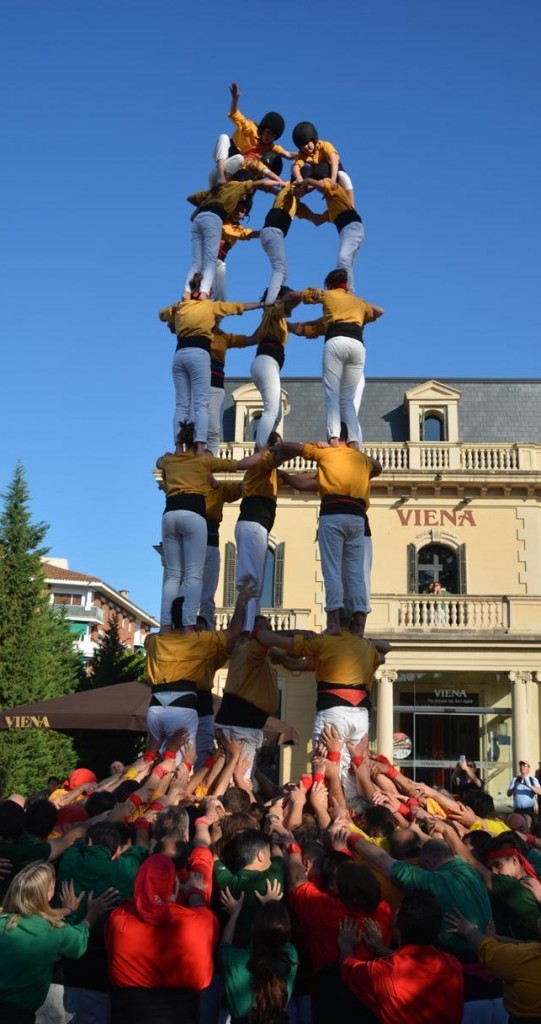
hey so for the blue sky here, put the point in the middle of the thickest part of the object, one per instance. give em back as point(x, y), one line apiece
point(112, 109)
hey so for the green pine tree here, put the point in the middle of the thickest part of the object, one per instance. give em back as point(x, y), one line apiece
point(37, 660)
point(112, 661)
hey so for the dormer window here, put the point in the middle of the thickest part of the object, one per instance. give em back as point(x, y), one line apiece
point(432, 410)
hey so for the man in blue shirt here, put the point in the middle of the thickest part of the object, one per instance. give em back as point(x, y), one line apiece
point(523, 788)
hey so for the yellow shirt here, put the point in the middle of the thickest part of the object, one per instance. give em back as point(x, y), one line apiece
point(287, 201)
point(252, 677)
point(176, 655)
point(246, 136)
point(188, 473)
point(492, 825)
point(216, 497)
point(339, 305)
point(341, 470)
point(519, 969)
point(227, 196)
point(221, 341)
point(273, 326)
point(233, 233)
point(197, 316)
point(336, 198)
point(322, 154)
point(261, 479)
point(345, 659)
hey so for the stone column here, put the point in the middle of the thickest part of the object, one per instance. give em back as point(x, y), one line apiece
point(385, 677)
point(521, 712)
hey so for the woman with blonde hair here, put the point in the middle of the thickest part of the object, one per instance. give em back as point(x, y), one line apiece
point(33, 937)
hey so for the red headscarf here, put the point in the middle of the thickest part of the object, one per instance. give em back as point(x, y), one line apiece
point(508, 852)
point(153, 887)
point(70, 814)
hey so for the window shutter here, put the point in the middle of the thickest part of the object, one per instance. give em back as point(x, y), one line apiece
point(412, 569)
point(230, 571)
point(462, 585)
point(278, 582)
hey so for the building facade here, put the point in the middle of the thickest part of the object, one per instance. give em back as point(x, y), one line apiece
point(458, 503)
point(88, 604)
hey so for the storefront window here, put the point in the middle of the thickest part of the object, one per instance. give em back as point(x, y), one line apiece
point(447, 714)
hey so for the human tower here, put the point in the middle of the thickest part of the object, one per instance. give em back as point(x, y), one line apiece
point(251, 161)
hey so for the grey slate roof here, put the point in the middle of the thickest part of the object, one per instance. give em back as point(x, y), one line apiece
point(488, 410)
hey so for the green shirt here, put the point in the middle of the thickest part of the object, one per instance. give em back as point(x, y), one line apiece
point(93, 869)
point(22, 851)
point(232, 963)
point(515, 909)
point(456, 886)
point(28, 953)
point(248, 882)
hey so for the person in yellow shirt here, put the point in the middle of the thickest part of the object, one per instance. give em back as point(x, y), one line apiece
point(344, 665)
point(346, 219)
point(271, 337)
point(278, 221)
point(214, 207)
point(232, 232)
point(317, 158)
point(176, 666)
point(256, 520)
point(220, 493)
point(250, 695)
point(193, 321)
point(343, 482)
point(344, 316)
point(250, 139)
point(185, 480)
point(220, 345)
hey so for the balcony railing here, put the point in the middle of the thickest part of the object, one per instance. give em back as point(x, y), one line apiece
point(78, 612)
point(410, 456)
point(280, 618)
point(451, 613)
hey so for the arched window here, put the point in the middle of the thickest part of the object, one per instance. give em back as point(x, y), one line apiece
point(436, 563)
point(433, 427)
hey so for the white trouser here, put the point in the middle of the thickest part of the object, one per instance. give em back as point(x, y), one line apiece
point(211, 573)
point(184, 539)
point(252, 542)
point(206, 236)
point(341, 544)
point(343, 364)
point(252, 740)
point(345, 181)
point(351, 725)
point(350, 240)
point(191, 378)
point(204, 743)
point(216, 404)
point(162, 722)
point(265, 374)
point(272, 240)
point(357, 403)
point(221, 152)
point(219, 288)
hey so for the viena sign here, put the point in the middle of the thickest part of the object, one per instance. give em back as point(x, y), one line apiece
point(435, 517)
point(27, 722)
point(450, 698)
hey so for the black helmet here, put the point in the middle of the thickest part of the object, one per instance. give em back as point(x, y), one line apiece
point(274, 123)
point(273, 161)
point(304, 132)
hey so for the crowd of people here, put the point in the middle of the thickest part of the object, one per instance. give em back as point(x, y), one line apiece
point(189, 887)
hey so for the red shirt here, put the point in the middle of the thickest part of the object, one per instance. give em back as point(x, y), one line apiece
point(415, 985)
point(320, 914)
point(178, 955)
point(201, 860)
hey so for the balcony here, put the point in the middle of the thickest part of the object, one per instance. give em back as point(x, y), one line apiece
point(451, 616)
point(280, 618)
point(409, 456)
point(78, 613)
